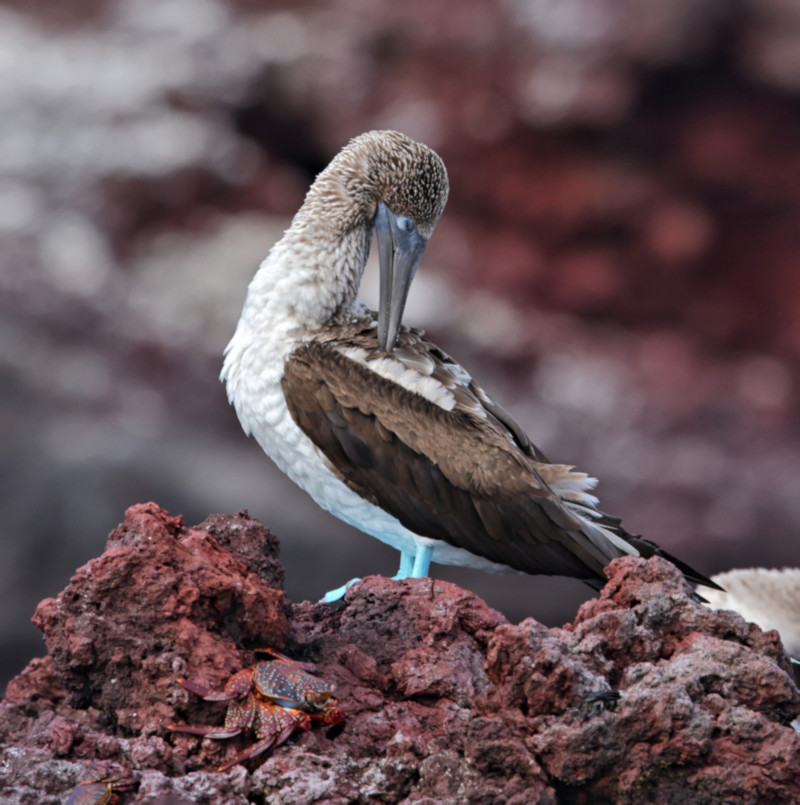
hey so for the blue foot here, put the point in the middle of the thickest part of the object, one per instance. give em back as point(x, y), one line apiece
point(412, 566)
point(338, 593)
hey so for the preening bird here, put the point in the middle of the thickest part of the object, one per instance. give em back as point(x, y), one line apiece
point(376, 423)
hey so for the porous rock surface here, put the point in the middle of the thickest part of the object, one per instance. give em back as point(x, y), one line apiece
point(648, 696)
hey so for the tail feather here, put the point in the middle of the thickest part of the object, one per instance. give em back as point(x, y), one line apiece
point(647, 548)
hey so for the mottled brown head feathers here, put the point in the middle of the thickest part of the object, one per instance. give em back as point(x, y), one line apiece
point(387, 166)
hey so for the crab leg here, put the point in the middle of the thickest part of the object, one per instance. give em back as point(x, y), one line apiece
point(205, 731)
point(238, 718)
point(282, 658)
point(239, 684)
point(273, 725)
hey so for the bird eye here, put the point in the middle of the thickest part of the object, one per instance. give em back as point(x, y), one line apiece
point(405, 224)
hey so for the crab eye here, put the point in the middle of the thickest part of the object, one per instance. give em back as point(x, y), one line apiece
point(405, 224)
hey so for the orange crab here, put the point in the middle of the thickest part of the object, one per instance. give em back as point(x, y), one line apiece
point(273, 699)
point(101, 786)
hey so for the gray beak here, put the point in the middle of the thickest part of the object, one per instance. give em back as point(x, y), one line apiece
point(400, 248)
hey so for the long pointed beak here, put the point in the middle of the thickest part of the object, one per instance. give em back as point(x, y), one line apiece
point(400, 248)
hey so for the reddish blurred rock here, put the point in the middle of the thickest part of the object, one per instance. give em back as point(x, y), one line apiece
point(647, 695)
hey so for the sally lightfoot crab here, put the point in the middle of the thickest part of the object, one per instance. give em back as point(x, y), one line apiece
point(273, 699)
point(102, 786)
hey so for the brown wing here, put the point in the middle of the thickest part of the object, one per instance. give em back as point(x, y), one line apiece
point(451, 475)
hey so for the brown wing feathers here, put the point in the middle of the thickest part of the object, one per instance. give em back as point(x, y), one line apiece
point(417, 461)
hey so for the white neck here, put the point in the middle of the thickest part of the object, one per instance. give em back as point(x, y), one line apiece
point(309, 278)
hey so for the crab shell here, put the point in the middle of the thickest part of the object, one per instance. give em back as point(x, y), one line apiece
point(274, 699)
point(101, 786)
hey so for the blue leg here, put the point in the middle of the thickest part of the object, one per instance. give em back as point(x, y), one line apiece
point(412, 566)
point(422, 561)
point(406, 566)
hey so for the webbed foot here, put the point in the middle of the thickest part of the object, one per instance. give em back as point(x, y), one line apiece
point(337, 594)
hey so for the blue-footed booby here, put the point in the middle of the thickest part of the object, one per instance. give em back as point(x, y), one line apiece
point(376, 423)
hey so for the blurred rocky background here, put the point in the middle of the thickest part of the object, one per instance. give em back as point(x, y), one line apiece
point(619, 263)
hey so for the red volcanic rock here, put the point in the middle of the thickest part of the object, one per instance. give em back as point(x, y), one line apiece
point(160, 599)
point(248, 540)
point(646, 696)
point(649, 694)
